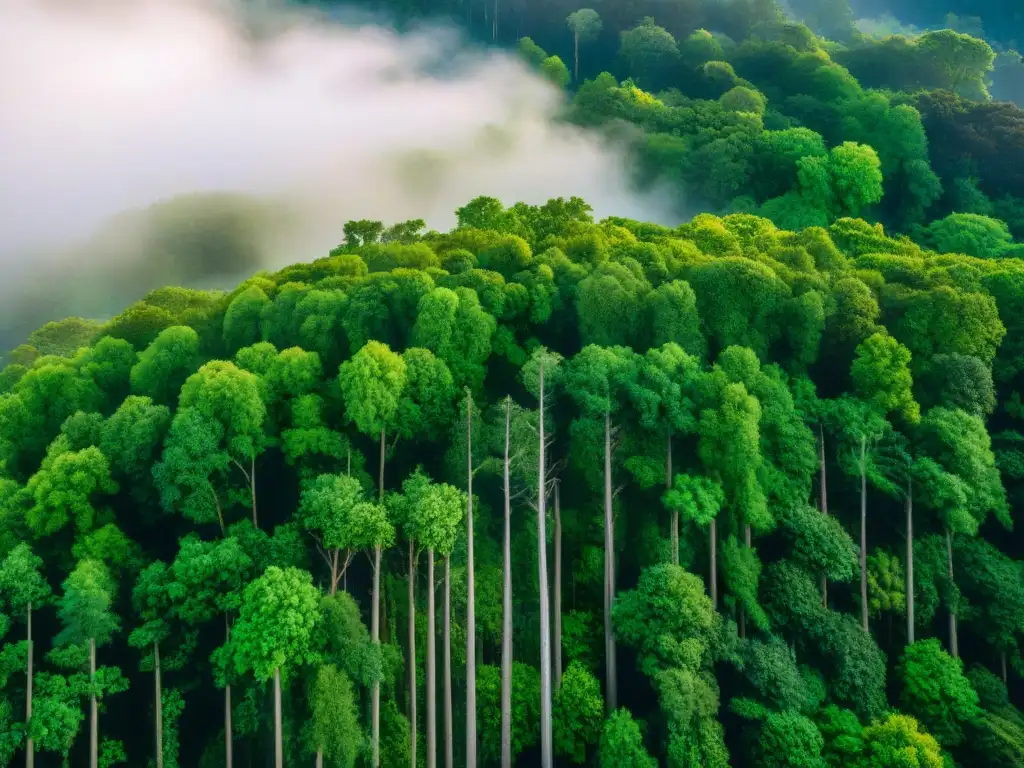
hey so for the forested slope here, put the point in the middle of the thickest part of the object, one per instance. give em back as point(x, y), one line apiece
point(732, 414)
point(556, 490)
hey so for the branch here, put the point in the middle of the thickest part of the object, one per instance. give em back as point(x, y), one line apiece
point(235, 462)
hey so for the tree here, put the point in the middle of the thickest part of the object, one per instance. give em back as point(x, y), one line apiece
point(553, 70)
point(668, 620)
point(881, 376)
point(789, 740)
point(208, 582)
point(898, 739)
point(649, 51)
point(151, 599)
point(372, 382)
point(228, 399)
point(434, 514)
point(274, 632)
point(326, 506)
point(24, 588)
point(729, 448)
point(334, 727)
point(543, 363)
point(87, 619)
point(578, 713)
point(373, 531)
point(962, 62)
point(622, 744)
point(165, 364)
point(585, 25)
point(935, 691)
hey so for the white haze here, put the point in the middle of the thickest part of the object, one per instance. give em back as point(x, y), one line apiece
point(107, 105)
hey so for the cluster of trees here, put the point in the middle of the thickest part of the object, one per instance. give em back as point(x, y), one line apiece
point(719, 494)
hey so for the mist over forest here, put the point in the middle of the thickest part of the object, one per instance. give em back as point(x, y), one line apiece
point(511, 383)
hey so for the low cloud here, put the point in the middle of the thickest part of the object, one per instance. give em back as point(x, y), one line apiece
point(111, 105)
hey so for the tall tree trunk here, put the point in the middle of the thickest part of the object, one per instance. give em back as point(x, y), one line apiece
point(431, 668)
point(278, 741)
point(546, 753)
point(609, 569)
point(954, 649)
point(252, 490)
point(557, 640)
point(375, 634)
point(334, 571)
point(94, 711)
point(380, 472)
point(228, 738)
point(743, 611)
point(909, 504)
point(320, 758)
point(449, 732)
point(159, 707)
point(470, 598)
point(576, 56)
point(506, 610)
point(1002, 665)
point(823, 500)
point(674, 534)
point(30, 750)
point(863, 535)
point(713, 561)
point(413, 735)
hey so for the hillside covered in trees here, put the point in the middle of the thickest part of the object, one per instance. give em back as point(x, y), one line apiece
point(545, 490)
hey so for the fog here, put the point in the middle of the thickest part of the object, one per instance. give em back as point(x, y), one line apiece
point(108, 105)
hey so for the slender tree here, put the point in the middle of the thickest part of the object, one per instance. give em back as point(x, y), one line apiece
point(25, 589)
point(372, 382)
point(275, 628)
point(543, 365)
point(585, 25)
point(437, 513)
point(471, 745)
point(85, 612)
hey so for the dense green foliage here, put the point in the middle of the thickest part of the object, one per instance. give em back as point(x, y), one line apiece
point(776, 453)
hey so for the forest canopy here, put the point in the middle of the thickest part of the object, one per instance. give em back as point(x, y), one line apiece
point(550, 490)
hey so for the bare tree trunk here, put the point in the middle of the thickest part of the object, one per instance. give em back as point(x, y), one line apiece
point(1002, 665)
point(609, 569)
point(413, 735)
point(506, 611)
point(674, 534)
point(449, 748)
point(910, 561)
point(252, 490)
point(823, 501)
point(334, 572)
point(30, 750)
point(375, 636)
point(319, 758)
point(94, 711)
point(576, 56)
point(954, 649)
point(278, 741)
point(557, 641)
point(470, 599)
point(863, 535)
point(431, 668)
point(159, 707)
point(228, 739)
point(380, 473)
point(713, 561)
point(546, 753)
point(743, 611)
